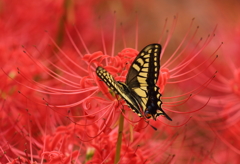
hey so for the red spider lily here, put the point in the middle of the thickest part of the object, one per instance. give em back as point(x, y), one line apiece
point(103, 110)
point(82, 143)
point(21, 24)
point(221, 114)
point(101, 148)
point(66, 91)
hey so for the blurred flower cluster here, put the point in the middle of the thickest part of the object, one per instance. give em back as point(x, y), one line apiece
point(55, 109)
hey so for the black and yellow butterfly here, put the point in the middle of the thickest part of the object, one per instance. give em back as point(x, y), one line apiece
point(140, 90)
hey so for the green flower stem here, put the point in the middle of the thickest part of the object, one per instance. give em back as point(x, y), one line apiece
point(119, 140)
point(67, 17)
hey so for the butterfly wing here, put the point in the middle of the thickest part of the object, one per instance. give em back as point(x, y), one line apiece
point(141, 81)
point(118, 87)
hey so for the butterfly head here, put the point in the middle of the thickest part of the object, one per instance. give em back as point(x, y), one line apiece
point(150, 112)
point(149, 115)
point(153, 110)
point(154, 116)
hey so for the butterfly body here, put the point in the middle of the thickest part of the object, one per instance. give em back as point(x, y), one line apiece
point(140, 90)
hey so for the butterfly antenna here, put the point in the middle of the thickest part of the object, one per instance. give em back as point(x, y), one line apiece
point(151, 125)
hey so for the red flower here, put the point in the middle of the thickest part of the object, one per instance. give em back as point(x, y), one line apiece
point(220, 118)
point(22, 117)
point(66, 114)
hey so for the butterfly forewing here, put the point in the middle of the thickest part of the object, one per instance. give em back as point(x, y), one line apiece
point(107, 78)
point(118, 87)
point(142, 78)
point(145, 66)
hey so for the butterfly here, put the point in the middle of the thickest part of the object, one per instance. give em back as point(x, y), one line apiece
point(140, 91)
